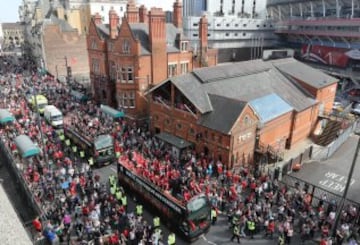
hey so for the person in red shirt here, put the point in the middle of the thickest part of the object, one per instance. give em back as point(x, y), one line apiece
point(114, 239)
point(37, 224)
point(323, 240)
point(270, 228)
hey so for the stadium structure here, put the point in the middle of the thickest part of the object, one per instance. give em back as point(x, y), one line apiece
point(323, 32)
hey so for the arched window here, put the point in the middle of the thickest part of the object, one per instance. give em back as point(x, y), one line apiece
point(247, 120)
point(126, 46)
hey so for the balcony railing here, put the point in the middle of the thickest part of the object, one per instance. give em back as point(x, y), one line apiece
point(334, 33)
point(276, 2)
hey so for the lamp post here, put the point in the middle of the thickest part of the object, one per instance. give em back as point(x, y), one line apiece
point(348, 181)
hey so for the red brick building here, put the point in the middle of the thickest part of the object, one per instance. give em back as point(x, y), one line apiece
point(63, 45)
point(227, 112)
point(143, 51)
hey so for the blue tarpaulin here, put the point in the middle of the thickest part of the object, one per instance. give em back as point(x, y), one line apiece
point(269, 107)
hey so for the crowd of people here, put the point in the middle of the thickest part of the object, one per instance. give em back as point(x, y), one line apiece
point(79, 206)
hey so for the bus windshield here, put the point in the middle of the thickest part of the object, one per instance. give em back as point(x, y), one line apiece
point(199, 213)
point(196, 204)
point(103, 142)
point(42, 105)
point(57, 118)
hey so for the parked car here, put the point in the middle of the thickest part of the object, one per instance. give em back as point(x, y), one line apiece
point(355, 108)
point(337, 106)
point(354, 92)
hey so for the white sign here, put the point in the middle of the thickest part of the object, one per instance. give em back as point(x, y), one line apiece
point(335, 182)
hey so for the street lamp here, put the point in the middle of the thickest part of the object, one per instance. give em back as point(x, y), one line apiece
point(348, 182)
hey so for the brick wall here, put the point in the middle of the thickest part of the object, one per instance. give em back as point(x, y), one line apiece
point(59, 44)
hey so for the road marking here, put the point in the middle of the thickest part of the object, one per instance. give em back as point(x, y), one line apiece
point(113, 169)
point(206, 240)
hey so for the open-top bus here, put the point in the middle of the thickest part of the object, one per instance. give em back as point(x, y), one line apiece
point(100, 148)
point(191, 219)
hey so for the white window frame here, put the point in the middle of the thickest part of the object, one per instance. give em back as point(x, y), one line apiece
point(172, 69)
point(184, 67)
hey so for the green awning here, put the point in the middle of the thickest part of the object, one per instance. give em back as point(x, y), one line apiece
point(6, 116)
point(173, 140)
point(26, 147)
point(111, 111)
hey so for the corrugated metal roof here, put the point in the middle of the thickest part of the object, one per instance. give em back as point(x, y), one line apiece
point(239, 69)
point(250, 87)
point(305, 73)
point(269, 107)
point(12, 230)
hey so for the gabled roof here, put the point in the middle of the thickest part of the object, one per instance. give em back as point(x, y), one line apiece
point(305, 73)
point(220, 93)
point(103, 30)
point(224, 114)
point(192, 90)
point(269, 107)
point(141, 32)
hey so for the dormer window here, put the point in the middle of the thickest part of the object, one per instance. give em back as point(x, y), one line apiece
point(184, 46)
point(126, 46)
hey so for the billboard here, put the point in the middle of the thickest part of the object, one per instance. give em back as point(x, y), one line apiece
point(332, 56)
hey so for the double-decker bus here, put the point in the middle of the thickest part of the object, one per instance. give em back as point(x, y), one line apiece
point(190, 218)
point(99, 148)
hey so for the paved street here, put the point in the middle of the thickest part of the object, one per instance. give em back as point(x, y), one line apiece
point(332, 174)
point(218, 234)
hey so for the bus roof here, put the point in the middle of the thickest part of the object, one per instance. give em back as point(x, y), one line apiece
point(143, 181)
point(39, 97)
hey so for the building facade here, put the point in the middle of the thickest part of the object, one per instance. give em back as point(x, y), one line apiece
point(194, 7)
point(12, 36)
point(127, 59)
point(80, 11)
point(238, 29)
point(266, 107)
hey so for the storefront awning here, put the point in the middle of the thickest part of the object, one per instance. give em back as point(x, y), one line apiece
point(6, 116)
point(26, 147)
point(111, 111)
point(174, 140)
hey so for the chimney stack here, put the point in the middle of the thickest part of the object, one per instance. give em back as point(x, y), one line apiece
point(177, 15)
point(132, 12)
point(143, 14)
point(113, 23)
point(203, 33)
point(97, 19)
point(157, 38)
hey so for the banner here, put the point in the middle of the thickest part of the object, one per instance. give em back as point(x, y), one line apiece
point(333, 56)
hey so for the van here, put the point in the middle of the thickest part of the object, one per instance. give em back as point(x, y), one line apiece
point(53, 116)
point(41, 102)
